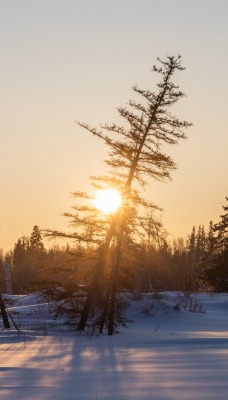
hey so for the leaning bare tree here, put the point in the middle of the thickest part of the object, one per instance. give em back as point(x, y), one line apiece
point(136, 152)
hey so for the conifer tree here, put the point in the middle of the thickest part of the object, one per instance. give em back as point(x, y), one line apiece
point(221, 257)
point(21, 265)
point(136, 154)
point(222, 229)
point(215, 263)
point(211, 239)
point(36, 242)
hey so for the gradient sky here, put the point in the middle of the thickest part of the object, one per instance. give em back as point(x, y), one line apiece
point(70, 60)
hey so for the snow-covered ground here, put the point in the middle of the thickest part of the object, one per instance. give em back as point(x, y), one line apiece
point(165, 354)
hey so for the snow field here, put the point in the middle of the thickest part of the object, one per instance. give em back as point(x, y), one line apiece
point(163, 355)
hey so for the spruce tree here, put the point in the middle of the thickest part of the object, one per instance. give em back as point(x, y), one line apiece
point(215, 263)
point(222, 229)
point(36, 242)
point(221, 257)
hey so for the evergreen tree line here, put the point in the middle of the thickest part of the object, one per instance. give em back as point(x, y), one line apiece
point(198, 262)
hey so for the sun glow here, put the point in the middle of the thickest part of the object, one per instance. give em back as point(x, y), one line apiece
point(108, 200)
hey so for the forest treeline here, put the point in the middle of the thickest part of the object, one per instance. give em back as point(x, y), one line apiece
point(198, 262)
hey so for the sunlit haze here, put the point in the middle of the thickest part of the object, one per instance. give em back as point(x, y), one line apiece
point(67, 61)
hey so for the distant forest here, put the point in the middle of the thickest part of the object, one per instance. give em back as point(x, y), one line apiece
point(197, 263)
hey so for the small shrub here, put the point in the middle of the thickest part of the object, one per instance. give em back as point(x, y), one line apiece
point(188, 302)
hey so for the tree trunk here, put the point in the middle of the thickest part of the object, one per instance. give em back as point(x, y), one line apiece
point(3, 312)
point(105, 309)
point(113, 303)
point(114, 284)
point(89, 301)
point(8, 278)
point(96, 279)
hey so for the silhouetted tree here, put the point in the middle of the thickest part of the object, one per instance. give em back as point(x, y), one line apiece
point(2, 272)
point(3, 313)
point(27, 260)
point(135, 154)
point(216, 262)
point(21, 265)
point(35, 240)
point(3, 287)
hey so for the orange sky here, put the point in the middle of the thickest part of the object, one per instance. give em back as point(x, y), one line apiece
point(74, 60)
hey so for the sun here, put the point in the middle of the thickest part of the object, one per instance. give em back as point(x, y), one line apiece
point(108, 200)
